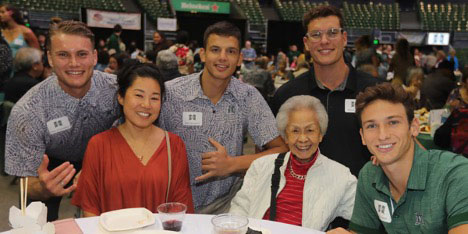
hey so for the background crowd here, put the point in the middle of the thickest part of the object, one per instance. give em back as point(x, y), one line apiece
point(219, 82)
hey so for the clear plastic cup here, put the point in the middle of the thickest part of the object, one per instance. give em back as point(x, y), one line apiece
point(229, 224)
point(172, 215)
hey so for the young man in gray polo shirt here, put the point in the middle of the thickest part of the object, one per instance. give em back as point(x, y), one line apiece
point(49, 127)
point(212, 112)
point(412, 190)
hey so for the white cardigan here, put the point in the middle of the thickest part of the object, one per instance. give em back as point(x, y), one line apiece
point(329, 191)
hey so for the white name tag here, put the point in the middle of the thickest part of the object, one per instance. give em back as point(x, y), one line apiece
point(350, 105)
point(192, 118)
point(383, 211)
point(18, 42)
point(58, 125)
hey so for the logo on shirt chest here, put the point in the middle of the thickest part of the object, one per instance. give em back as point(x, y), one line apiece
point(418, 219)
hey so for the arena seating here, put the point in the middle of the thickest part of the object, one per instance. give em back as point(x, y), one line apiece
point(294, 10)
point(252, 11)
point(370, 16)
point(72, 6)
point(444, 17)
point(155, 8)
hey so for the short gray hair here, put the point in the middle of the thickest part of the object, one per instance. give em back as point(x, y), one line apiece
point(167, 60)
point(26, 57)
point(301, 102)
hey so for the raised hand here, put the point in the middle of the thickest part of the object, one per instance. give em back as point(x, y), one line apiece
point(53, 182)
point(216, 163)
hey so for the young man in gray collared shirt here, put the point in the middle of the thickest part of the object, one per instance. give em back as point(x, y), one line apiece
point(212, 111)
point(58, 116)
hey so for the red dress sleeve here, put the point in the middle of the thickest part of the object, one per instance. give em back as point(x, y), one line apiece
point(180, 190)
point(86, 195)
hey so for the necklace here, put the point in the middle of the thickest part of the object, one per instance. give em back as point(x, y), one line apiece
point(140, 154)
point(293, 174)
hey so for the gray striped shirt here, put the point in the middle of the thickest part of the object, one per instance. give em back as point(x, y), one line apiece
point(190, 114)
point(48, 120)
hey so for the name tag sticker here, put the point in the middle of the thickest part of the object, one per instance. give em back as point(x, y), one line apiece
point(383, 211)
point(192, 118)
point(350, 106)
point(18, 42)
point(58, 125)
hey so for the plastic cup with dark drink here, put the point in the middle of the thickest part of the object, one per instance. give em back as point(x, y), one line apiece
point(172, 215)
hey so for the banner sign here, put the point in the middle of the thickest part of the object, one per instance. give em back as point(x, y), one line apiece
point(108, 19)
point(201, 6)
point(167, 24)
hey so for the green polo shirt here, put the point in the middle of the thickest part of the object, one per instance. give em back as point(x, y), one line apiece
point(435, 201)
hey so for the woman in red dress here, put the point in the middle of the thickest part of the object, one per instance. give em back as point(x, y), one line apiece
point(127, 166)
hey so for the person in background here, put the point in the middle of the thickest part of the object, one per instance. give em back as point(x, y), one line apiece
point(401, 61)
point(410, 189)
point(49, 127)
point(168, 65)
point(369, 69)
point(28, 71)
point(453, 134)
point(112, 65)
point(453, 58)
point(260, 78)
point(415, 80)
point(159, 42)
point(6, 61)
point(103, 61)
point(365, 53)
point(292, 52)
point(302, 66)
point(307, 176)
point(133, 158)
point(101, 45)
point(183, 53)
point(458, 98)
point(13, 30)
point(114, 41)
point(282, 75)
point(440, 57)
point(437, 86)
point(151, 56)
point(248, 55)
point(116, 62)
point(418, 60)
point(41, 38)
point(213, 111)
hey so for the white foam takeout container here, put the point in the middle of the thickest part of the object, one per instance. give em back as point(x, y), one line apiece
point(126, 219)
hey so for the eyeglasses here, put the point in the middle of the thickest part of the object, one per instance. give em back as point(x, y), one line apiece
point(332, 33)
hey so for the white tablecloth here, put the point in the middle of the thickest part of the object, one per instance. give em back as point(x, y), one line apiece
point(201, 224)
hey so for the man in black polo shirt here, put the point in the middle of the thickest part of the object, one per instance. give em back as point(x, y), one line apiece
point(335, 83)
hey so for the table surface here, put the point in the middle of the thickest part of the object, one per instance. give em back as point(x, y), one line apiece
point(199, 224)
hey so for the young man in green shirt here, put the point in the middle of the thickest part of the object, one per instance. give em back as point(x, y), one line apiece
point(411, 190)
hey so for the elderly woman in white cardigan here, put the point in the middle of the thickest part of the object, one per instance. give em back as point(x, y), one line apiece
point(311, 189)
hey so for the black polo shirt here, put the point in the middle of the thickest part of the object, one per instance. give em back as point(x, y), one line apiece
point(342, 141)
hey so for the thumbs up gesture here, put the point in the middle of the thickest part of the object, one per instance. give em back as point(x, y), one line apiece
point(216, 163)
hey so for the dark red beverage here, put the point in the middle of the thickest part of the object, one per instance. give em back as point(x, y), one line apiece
point(172, 225)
